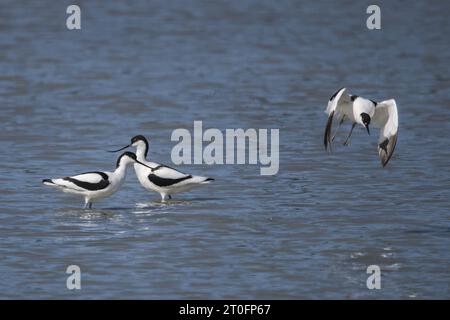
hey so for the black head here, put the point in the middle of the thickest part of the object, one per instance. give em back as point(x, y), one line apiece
point(126, 154)
point(134, 140)
point(143, 139)
point(129, 154)
point(138, 138)
point(133, 157)
point(353, 97)
point(365, 120)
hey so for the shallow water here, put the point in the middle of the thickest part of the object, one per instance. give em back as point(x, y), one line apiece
point(309, 232)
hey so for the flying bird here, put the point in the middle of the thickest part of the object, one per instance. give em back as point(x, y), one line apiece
point(96, 184)
point(359, 110)
point(162, 179)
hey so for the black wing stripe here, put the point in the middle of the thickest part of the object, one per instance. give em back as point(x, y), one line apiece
point(163, 182)
point(327, 135)
point(161, 166)
point(386, 149)
point(335, 94)
point(91, 186)
point(354, 97)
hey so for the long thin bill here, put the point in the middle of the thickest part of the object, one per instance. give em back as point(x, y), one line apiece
point(119, 149)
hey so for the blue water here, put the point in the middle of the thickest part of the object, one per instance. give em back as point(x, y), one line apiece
point(151, 67)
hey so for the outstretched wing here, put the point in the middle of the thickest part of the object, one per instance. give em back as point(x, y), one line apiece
point(386, 117)
point(336, 105)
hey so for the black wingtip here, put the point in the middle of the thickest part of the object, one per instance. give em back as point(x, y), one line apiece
point(386, 149)
point(209, 179)
point(327, 135)
point(47, 180)
point(385, 160)
point(335, 94)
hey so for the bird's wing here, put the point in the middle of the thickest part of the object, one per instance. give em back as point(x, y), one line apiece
point(168, 172)
point(336, 101)
point(335, 106)
point(90, 181)
point(386, 117)
point(91, 177)
point(164, 176)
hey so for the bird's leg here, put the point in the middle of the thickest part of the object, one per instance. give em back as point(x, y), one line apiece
point(164, 196)
point(350, 134)
point(87, 204)
point(339, 125)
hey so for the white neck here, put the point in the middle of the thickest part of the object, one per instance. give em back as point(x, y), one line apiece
point(140, 152)
point(121, 170)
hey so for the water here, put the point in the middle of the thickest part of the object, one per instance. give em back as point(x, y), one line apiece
point(149, 68)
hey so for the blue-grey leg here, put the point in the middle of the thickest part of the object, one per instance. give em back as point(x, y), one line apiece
point(339, 125)
point(87, 204)
point(350, 134)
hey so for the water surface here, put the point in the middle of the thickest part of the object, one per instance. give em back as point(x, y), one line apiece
point(149, 68)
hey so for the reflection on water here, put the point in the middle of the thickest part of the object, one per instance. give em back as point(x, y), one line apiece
point(149, 68)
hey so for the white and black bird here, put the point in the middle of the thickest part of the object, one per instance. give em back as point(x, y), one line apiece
point(96, 184)
point(363, 111)
point(162, 179)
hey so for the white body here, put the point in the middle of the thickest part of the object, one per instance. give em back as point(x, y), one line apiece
point(105, 183)
point(176, 181)
point(383, 115)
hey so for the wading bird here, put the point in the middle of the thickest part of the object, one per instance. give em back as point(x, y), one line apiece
point(96, 184)
point(162, 179)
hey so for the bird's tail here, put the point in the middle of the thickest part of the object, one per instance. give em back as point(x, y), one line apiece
point(208, 180)
point(201, 180)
